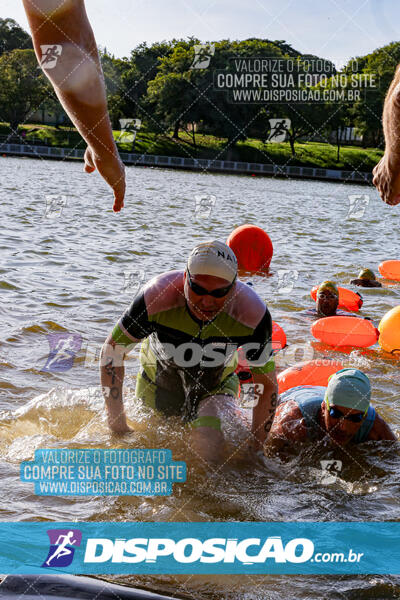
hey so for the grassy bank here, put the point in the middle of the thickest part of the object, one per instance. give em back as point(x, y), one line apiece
point(309, 154)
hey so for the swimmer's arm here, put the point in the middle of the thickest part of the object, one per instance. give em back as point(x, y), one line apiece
point(264, 411)
point(112, 374)
point(78, 82)
point(381, 430)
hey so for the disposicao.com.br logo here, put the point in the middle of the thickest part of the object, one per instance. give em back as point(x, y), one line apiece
point(247, 551)
point(62, 547)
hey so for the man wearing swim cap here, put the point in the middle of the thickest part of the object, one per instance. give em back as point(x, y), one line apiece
point(341, 413)
point(366, 278)
point(191, 323)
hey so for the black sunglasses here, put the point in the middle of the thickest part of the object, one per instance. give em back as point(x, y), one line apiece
point(200, 291)
point(337, 414)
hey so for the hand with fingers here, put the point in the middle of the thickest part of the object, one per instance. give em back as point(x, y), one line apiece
point(111, 168)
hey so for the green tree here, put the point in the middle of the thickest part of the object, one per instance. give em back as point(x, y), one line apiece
point(23, 87)
point(180, 94)
point(13, 37)
point(366, 113)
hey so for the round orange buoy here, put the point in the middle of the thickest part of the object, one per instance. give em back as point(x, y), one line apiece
point(390, 269)
point(252, 247)
point(278, 337)
point(348, 299)
point(389, 328)
point(345, 331)
point(309, 372)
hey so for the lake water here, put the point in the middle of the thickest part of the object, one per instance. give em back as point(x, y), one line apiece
point(74, 267)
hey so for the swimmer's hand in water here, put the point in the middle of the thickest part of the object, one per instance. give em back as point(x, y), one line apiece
point(111, 168)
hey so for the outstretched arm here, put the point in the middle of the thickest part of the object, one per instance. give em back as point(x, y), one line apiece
point(387, 171)
point(78, 81)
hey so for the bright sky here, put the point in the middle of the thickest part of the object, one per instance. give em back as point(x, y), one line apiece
point(333, 29)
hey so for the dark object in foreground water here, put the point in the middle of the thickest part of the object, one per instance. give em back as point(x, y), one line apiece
point(66, 587)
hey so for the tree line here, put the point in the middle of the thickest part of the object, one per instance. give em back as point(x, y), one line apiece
point(158, 84)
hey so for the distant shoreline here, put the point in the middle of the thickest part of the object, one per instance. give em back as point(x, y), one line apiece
point(196, 164)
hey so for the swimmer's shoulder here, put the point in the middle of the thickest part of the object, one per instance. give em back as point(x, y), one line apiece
point(289, 422)
point(366, 283)
point(381, 430)
point(164, 291)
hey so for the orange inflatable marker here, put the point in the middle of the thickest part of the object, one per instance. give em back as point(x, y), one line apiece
point(252, 247)
point(390, 269)
point(309, 372)
point(345, 331)
point(278, 337)
point(348, 299)
point(389, 328)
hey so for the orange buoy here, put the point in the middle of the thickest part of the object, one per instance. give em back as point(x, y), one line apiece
point(309, 372)
point(348, 299)
point(390, 269)
point(252, 247)
point(389, 328)
point(278, 337)
point(345, 331)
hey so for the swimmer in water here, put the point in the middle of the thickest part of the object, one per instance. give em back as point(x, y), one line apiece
point(191, 323)
point(341, 413)
point(366, 278)
point(71, 63)
point(327, 302)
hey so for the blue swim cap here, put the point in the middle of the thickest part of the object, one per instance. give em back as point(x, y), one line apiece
point(350, 388)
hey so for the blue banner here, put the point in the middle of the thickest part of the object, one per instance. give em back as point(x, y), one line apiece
point(200, 548)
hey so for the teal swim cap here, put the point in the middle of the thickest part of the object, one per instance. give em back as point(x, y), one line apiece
point(350, 388)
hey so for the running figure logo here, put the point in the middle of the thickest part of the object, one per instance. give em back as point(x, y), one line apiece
point(279, 130)
point(204, 205)
point(50, 55)
point(202, 55)
point(358, 204)
point(63, 349)
point(286, 280)
point(61, 551)
point(54, 206)
point(330, 470)
point(129, 129)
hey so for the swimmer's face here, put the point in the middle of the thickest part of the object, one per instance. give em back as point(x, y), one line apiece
point(205, 307)
point(327, 303)
point(339, 426)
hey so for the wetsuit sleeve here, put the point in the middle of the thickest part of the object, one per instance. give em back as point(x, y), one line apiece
point(134, 324)
point(261, 359)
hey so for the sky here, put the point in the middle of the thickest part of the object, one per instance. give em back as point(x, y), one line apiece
point(333, 29)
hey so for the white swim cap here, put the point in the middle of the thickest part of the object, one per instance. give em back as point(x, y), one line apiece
point(213, 258)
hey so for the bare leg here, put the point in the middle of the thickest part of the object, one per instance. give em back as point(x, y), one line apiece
point(207, 441)
point(387, 171)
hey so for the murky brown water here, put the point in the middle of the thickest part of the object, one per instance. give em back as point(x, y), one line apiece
point(67, 274)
